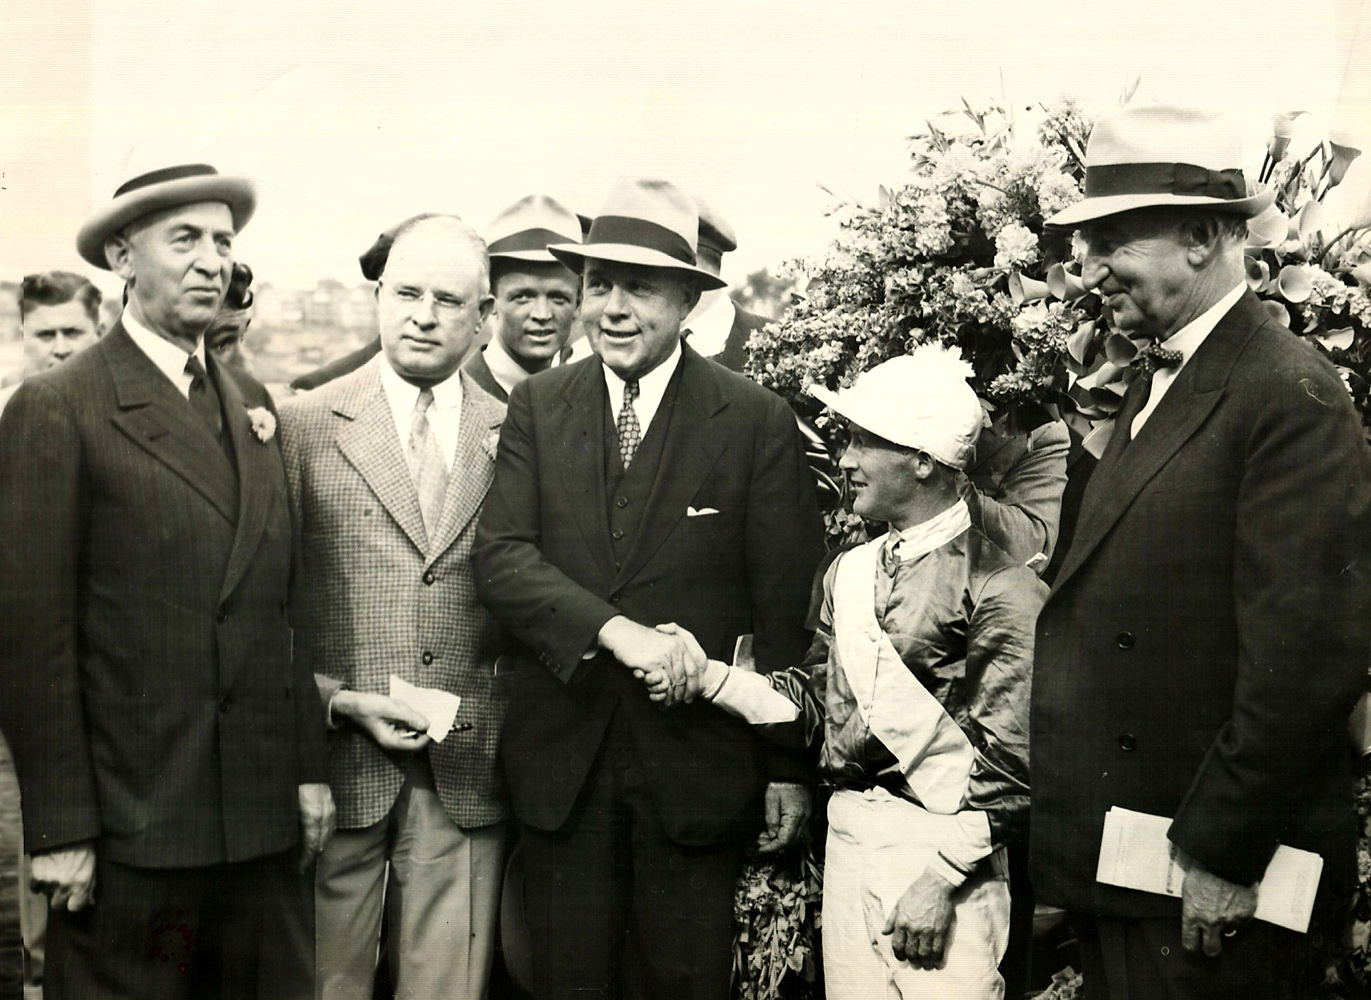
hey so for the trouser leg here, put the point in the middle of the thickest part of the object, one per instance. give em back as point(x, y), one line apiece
point(444, 906)
point(349, 889)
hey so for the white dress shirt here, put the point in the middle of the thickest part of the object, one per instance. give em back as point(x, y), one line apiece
point(710, 326)
point(444, 415)
point(1187, 340)
point(651, 389)
point(503, 368)
point(169, 359)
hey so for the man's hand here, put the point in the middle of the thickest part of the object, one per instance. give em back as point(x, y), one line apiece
point(393, 726)
point(1211, 908)
point(662, 660)
point(787, 815)
point(921, 921)
point(66, 876)
point(317, 818)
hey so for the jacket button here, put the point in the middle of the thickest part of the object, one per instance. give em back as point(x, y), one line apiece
point(621, 502)
point(613, 598)
point(1128, 742)
point(427, 658)
point(226, 704)
point(1125, 640)
point(429, 577)
point(617, 533)
point(221, 617)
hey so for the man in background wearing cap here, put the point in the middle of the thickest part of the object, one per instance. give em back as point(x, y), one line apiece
point(717, 328)
point(536, 296)
point(388, 467)
point(929, 762)
point(1206, 637)
point(170, 747)
point(637, 488)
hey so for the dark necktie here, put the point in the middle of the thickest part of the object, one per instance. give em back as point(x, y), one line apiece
point(204, 398)
point(630, 434)
point(1155, 356)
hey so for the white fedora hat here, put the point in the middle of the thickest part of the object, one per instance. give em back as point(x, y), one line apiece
point(647, 222)
point(920, 400)
point(187, 184)
point(1144, 155)
point(526, 229)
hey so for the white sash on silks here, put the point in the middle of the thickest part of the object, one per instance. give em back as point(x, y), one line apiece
point(933, 752)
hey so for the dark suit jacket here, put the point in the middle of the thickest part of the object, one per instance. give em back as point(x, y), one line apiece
point(147, 686)
point(480, 372)
point(1207, 635)
point(544, 565)
point(734, 354)
point(337, 368)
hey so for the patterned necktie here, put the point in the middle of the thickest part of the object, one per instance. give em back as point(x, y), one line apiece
point(889, 556)
point(1155, 356)
point(630, 434)
point(426, 463)
point(204, 398)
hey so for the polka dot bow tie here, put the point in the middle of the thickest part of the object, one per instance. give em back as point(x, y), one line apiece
point(1155, 356)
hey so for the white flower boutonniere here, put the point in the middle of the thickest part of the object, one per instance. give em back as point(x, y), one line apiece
point(492, 442)
point(263, 423)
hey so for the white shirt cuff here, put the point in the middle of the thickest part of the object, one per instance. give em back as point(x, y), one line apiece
point(966, 846)
point(749, 696)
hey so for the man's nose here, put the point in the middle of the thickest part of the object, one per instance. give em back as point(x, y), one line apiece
point(61, 346)
point(1093, 270)
point(209, 261)
point(617, 302)
point(424, 316)
point(542, 309)
point(847, 462)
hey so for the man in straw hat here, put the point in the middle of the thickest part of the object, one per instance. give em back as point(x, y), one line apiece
point(170, 747)
point(1206, 637)
point(536, 295)
point(929, 760)
point(637, 488)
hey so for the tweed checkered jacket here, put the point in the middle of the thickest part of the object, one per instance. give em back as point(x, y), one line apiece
point(375, 600)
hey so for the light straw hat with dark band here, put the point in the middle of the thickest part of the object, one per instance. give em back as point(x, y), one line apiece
point(1145, 155)
point(526, 229)
point(170, 187)
point(648, 222)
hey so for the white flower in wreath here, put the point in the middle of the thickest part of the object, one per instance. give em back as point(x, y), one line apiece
point(492, 442)
point(263, 423)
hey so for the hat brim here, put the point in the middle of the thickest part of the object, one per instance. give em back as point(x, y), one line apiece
point(1099, 208)
point(867, 416)
point(574, 256)
point(235, 192)
point(533, 256)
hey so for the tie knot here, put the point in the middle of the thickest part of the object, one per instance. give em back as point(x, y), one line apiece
point(424, 401)
point(1155, 356)
point(194, 368)
point(630, 390)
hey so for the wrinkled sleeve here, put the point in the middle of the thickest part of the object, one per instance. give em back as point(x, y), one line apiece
point(1023, 515)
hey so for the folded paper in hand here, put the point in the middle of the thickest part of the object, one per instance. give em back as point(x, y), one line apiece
point(1136, 854)
point(438, 707)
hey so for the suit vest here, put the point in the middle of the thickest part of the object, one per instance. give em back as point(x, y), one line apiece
point(628, 492)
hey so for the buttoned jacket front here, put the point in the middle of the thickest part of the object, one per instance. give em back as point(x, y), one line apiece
point(378, 597)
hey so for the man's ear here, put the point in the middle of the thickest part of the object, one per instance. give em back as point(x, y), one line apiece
point(486, 305)
point(925, 465)
point(692, 298)
point(119, 255)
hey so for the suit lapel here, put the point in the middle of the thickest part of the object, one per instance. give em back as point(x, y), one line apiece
point(370, 443)
point(473, 465)
point(157, 418)
point(688, 454)
point(1124, 471)
point(261, 478)
point(582, 452)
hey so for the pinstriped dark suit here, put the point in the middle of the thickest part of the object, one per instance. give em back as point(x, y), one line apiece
point(147, 685)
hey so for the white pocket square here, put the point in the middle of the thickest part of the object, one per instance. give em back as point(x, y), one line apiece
point(692, 512)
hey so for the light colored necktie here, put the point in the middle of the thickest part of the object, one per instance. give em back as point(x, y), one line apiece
point(630, 434)
point(426, 463)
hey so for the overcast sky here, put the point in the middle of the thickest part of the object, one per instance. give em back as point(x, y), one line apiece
point(354, 115)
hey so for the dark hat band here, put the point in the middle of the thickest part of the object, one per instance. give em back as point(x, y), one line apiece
point(1181, 179)
point(640, 233)
point(528, 239)
point(166, 174)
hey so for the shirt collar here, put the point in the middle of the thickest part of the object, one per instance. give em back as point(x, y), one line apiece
point(924, 537)
point(503, 368)
point(650, 386)
point(169, 358)
point(447, 394)
point(709, 328)
point(1188, 338)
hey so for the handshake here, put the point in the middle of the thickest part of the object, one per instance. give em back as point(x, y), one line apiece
point(667, 659)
